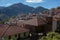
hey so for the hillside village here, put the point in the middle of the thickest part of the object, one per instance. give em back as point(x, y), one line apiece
point(31, 26)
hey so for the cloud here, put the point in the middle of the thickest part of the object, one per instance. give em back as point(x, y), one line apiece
point(8, 4)
point(34, 1)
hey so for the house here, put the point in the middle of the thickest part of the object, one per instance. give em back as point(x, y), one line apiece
point(8, 32)
point(36, 24)
point(55, 19)
point(56, 23)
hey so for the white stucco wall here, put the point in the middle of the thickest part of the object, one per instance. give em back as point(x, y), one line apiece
point(54, 26)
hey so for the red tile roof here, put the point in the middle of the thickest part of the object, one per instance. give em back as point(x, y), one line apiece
point(2, 29)
point(11, 30)
point(35, 21)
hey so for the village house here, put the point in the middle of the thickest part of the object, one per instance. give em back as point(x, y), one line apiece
point(34, 22)
point(39, 23)
point(55, 12)
point(9, 32)
point(56, 20)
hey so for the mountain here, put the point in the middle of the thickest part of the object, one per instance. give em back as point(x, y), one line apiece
point(16, 9)
point(39, 9)
point(19, 8)
point(1, 7)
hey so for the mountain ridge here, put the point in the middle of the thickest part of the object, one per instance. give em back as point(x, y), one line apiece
point(19, 8)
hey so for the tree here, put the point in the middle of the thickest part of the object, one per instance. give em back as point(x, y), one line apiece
point(46, 11)
point(51, 36)
point(5, 20)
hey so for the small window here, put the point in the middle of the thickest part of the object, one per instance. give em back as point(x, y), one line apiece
point(25, 34)
point(9, 37)
point(22, 35)
point(15, 35)
point(19, 35)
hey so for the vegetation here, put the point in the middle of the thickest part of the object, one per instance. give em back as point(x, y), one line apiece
point(46, 11)
point(3, 21)
point(51, 36)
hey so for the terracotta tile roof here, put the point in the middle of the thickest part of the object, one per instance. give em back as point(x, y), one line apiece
point(42, 21)
point(11, 30)
point(35, 21)
point(14, 30)
point(2, 29)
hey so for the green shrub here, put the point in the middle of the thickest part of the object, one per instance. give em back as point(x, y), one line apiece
point(51, 36)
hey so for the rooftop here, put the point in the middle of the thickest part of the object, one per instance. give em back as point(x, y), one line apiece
point(11, 30)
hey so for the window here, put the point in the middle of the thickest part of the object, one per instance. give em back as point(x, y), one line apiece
point(58, 26)
point(6, 38)
point(13, 37)
point(27, 34)
point(9, 37)
point(22, 35)
point(16, 36)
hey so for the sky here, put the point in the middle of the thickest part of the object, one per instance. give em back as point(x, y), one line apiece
point(33, 3)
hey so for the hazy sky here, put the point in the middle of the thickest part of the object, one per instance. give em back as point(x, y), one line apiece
point(33, 3)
